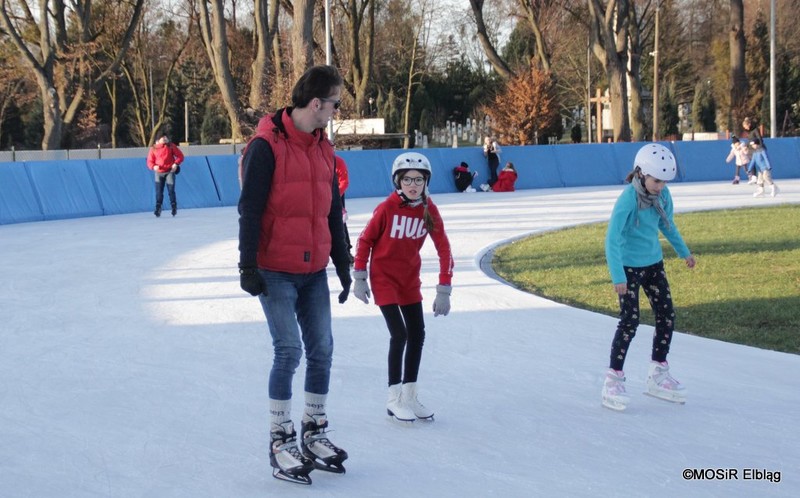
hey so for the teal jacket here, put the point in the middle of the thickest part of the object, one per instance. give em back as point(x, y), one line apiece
point(632, 236)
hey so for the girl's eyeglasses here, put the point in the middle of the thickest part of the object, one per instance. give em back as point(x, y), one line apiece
point(336, 103)
point(417, 180)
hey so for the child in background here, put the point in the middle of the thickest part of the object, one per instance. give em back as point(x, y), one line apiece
point(464, 177)
point(759, 164)
point(506, 179)
point(391, 242)
point(741, 152)
point(635, 260)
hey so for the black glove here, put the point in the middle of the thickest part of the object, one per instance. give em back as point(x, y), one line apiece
point(250, 280)
point(346, 281)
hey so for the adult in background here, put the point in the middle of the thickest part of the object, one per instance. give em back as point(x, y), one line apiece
point(165, 159)
point(491, 150)
point(290, 225)
point(759, 166)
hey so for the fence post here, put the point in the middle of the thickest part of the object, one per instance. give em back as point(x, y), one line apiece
point(99, 153)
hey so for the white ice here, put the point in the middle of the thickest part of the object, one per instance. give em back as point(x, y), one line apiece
point(132, 365)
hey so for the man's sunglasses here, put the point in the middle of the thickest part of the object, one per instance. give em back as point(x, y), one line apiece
point(336, 103)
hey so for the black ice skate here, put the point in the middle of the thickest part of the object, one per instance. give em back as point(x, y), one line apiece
point(316, 446)
point(288, 463)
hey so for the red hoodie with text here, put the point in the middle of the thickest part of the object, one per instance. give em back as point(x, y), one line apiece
point(392, 241)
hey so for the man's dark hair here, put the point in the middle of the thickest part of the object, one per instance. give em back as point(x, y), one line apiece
point(316, 82)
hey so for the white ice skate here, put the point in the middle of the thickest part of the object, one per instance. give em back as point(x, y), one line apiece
point(395, 407)
point(661, 385)
point(409, 398)
point(614, 395)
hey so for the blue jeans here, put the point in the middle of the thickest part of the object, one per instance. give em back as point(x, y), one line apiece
point(298, 311)
point(759, 162)
point(167, 179)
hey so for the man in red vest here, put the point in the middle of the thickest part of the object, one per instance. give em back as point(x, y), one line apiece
point(290, 226)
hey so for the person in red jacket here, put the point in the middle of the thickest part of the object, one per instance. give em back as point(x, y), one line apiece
point(165, 159)
point(506, 179)
point(391, 242)
point(290, 227)
point(344, 181)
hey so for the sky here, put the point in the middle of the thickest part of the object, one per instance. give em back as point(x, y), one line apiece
point(133, 365)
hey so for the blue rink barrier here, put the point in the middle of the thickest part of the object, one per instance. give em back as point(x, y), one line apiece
point(49, 190)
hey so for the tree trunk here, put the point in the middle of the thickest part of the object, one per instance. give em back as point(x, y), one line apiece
point(610, 46)
point(739, 83)
point(360, 67)
point(212, 28)
point(279, 88)
point(638, 132)
point(302, 37)
point(264, 31)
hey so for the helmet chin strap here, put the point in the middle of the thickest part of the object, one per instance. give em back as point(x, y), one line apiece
point(407, 201)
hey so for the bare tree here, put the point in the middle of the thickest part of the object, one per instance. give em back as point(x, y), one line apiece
point(739, 85)
point(302, 36)
point(610, 46)
point(58, 44)
point(641, 20)
point(360, 16)
point(494, 58)
point(215, 40)
point(266, 27)
point(534, 10)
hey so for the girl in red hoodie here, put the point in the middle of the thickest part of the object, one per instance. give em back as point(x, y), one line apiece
point(391, 242)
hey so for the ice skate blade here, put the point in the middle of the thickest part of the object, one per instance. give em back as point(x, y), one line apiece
point(399, 420)
point(666, 397)
point(332, 468)
point(279, 474)
point(617, 406)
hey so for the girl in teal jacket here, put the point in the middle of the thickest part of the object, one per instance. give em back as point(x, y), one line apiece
point(635, 260)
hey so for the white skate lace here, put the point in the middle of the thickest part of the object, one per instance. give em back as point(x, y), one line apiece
point(321, 438)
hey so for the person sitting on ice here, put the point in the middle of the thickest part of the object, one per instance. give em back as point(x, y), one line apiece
point(506, 179)
point(464, 177)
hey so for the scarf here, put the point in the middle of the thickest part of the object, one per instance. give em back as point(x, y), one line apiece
point(645, 200)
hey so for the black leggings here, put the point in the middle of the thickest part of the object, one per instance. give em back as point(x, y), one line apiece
point(653, 280)
point(407, 330)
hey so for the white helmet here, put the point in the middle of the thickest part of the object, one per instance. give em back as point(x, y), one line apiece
point(407, 161)
point(657, 161)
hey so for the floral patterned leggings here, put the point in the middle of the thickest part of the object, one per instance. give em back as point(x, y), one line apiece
point(653, 280)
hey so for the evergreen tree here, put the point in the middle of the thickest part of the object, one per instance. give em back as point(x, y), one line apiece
point(704, 108)
point(668, 107)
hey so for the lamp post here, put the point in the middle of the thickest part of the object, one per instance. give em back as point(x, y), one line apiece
point(152, 104)
point(655, 80)
point(773, 122)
